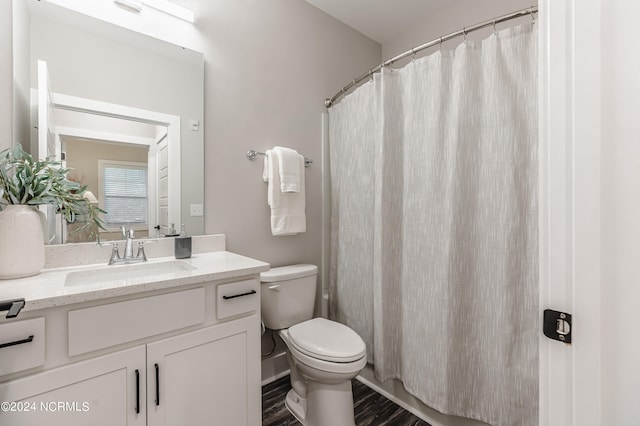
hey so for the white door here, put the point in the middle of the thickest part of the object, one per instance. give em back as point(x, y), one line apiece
point(154, 185)
point(162, 181)
point(570, 226)
point(104, 391)
point(207, 377)
point(47, 143)
point(46, 128)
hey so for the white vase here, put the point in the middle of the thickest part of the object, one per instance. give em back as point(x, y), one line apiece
point(21, 242)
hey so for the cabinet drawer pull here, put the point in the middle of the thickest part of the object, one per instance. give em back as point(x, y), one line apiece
point(17, 342)
point(249, 293)
point(137, 391)
point(157, 385)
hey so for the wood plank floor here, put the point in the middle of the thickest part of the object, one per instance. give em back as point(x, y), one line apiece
point(371, 408)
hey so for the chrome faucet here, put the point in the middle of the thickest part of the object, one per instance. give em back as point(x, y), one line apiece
point(128, 256)
point(128, 248)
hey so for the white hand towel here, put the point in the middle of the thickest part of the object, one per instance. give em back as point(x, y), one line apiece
point(288, 208)
point(288, 164)
point(266, 172)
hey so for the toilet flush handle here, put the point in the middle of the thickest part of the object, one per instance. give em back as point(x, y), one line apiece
point(275, 287)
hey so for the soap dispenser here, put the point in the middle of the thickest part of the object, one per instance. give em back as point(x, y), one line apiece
point(172, 231)
point(182, 247)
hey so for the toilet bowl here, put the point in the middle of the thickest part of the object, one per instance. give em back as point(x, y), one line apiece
point(323, 355)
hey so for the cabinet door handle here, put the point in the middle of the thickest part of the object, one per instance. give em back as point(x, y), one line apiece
point(249, 293)
point(157, 385)
point(137, 391)
point(17, 342)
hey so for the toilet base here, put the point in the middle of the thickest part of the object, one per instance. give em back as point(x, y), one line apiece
point(296, 405)
point(325, 405)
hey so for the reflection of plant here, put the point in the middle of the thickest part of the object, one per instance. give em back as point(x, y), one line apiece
point(26, 181)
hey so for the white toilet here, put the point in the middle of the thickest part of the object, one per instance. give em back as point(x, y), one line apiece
point(323, 355)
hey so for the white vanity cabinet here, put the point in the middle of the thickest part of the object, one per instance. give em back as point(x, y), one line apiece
point(136, 361)
point(103, 391)
point(205, 377)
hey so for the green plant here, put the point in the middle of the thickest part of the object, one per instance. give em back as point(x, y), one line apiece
point(26, 181)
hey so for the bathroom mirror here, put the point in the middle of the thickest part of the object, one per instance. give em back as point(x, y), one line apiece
point(95, 61)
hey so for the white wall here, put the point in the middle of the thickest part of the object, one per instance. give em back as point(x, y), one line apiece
point(268, 67)
point(620, 185)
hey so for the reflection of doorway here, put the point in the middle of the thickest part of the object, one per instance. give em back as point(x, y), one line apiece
point(87, 159)
point(160, 136)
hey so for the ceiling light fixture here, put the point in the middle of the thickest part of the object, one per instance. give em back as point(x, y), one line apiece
point(172, 9)
point(132, 5)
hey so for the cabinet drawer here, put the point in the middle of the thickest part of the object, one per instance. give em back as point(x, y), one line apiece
point(21, 345)
point(116, 323)
point(237, 298)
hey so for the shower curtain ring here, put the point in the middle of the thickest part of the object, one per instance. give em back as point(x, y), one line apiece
point(494, 26)
point(533, 19)
point(413, 54)
point(464, 34)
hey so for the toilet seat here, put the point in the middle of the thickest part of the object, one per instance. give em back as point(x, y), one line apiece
point(326, 340)
point(328, 367)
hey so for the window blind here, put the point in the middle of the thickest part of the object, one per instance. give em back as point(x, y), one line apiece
point(125, 195)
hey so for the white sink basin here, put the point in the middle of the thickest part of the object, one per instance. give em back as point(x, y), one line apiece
point(126, 273)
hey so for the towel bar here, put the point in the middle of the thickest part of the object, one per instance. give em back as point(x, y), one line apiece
point(252, 154)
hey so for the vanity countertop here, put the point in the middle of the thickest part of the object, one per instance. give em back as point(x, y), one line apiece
point(51, 287)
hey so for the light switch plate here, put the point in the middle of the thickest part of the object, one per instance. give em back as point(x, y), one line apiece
point(197, 209)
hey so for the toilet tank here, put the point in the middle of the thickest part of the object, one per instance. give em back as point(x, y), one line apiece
point(287, 295)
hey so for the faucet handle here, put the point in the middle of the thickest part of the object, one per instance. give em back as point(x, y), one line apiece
point(141, 244)
point(103, 244)
point(115, 254)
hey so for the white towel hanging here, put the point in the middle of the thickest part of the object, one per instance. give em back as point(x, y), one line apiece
point(287, 208)
point(289, 167)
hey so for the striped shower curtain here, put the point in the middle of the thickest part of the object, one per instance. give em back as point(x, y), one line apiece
point(434, 226)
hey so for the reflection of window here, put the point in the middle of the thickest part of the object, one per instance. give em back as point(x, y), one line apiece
point(124, 188)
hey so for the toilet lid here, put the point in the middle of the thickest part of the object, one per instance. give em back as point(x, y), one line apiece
point(327, 340)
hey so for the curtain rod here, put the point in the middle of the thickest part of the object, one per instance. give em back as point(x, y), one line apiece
point(463, 32)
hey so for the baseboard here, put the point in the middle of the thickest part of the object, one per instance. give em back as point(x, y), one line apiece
point(274, 368)
point(393, 390)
